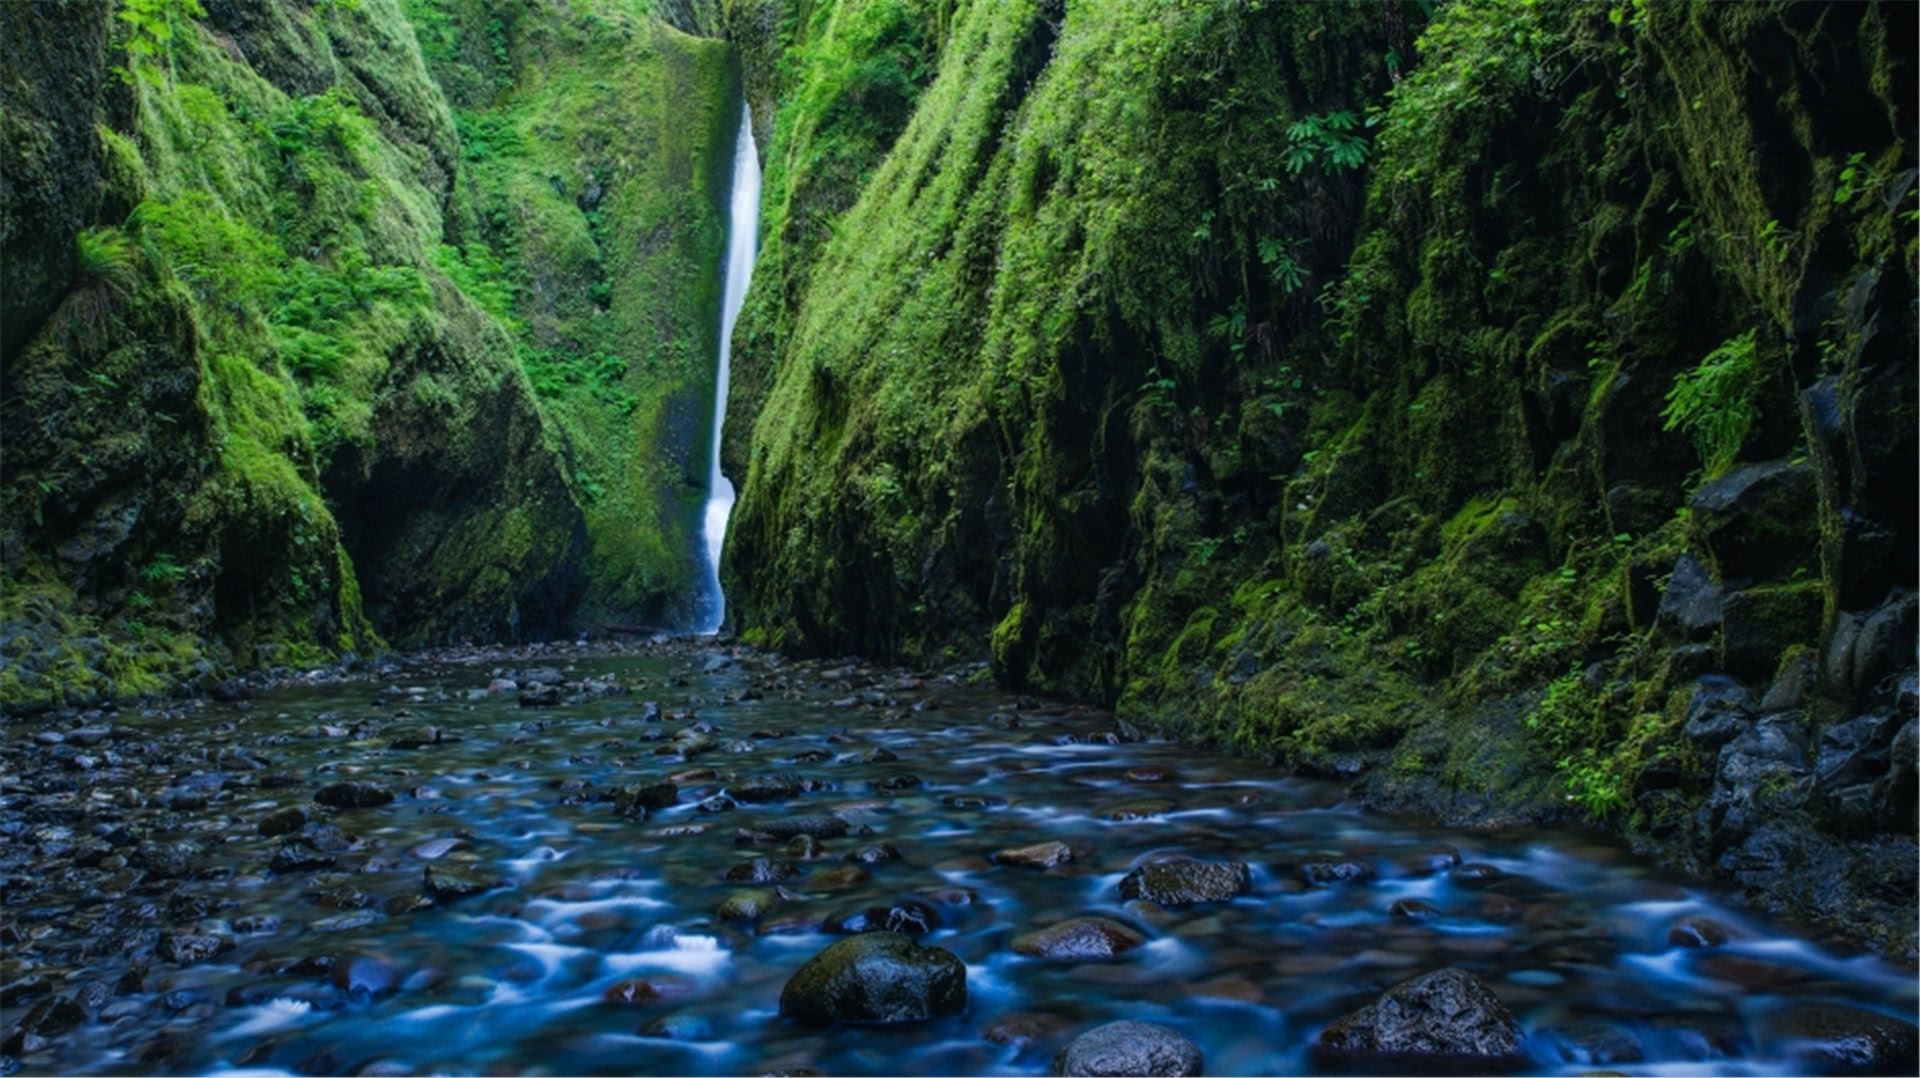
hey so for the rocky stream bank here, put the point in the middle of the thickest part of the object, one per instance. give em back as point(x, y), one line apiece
point(685, 858)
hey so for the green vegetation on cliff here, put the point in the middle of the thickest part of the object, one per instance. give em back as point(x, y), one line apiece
point(296, 350)
point(1351, 388)
point(589, 217)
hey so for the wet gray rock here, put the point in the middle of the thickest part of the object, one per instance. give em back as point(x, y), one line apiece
point(1793, 684)
point(746, 905)
point(1129, 1048)
point(285, 821)
point(1836, 1039)
point(1853, 756)
point(1182, 883)
point(1328, 871)
point(1079, 939)
point(1883, 647)
point(423, 737)
point(1691, 605)
point(762, 870)
point(876, 977)
point(187, 947)
point(353, 795)
point(1720, 709)
point(758, 791)
point(639, 800)
point(542, 694)
point(1445, 1014)
point(1698, 932)
point(445, 884)
point(51, 1017)
point(299, 855)
point(162, 860)
point(1412, 909)
point(1760, 774)
point(817, 826)
point(1038, 855)
point(1899, 789)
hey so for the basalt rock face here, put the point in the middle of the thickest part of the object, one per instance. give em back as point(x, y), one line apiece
point(1452, 452)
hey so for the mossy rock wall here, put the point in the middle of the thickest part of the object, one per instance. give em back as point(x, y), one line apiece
point(590, 212)
point(285, 400)
point(1347, 388)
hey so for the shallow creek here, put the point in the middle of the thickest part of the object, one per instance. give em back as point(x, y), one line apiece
point(501, 914)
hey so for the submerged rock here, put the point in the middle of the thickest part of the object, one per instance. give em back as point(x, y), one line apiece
point(353, 795)
point(1446, 1013)
point(817, 826)
point(1328, 871)
point(445, 884)
point(911, 916)
point(1129, 1048)
point(1838, 1039)
point(876, 977)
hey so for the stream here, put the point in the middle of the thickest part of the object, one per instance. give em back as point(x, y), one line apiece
point(436, 871)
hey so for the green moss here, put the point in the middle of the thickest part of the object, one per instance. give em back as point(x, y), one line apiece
point(590, 219)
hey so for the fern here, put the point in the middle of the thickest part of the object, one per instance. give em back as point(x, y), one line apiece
point(1714, 402)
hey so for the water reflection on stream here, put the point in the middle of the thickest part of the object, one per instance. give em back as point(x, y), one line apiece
point(600, 952)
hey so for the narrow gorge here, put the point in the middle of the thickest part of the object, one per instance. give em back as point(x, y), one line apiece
point(530, 529)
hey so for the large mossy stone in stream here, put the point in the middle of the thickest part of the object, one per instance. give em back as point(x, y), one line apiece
point(1129, 1048)
point(876, 977)
point(1446, 1014)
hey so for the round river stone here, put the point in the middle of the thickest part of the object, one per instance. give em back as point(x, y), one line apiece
point(876, 977)
point(1129, 1048)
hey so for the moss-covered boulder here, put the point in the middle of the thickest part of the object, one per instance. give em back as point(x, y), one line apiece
point(876, 977)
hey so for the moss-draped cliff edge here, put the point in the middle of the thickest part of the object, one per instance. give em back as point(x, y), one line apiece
point(1514, 412)
point(333, 323)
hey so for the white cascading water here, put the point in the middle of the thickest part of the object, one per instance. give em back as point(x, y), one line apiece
point(743, 222)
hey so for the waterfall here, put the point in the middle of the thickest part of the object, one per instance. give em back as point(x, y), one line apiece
point(743, 222)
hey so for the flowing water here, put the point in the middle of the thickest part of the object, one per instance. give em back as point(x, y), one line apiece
point(592, 943)
point(743, 222)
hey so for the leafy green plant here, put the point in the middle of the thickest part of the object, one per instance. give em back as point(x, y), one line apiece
point(1232, 328)
point(163, 569)
point(1714, 402)
point(1282, 267)
point(1566, 724)
point(1329, 139)
point(1852, 177)
point(152, 26)
point(104, 261)
point(105, 255)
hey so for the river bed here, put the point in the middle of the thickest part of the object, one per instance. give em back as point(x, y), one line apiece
point(430, 872)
